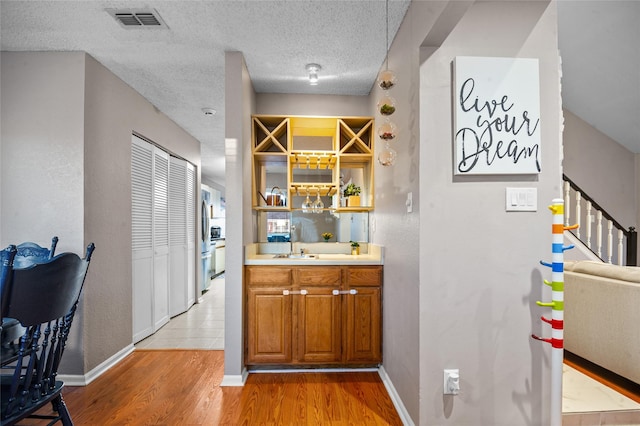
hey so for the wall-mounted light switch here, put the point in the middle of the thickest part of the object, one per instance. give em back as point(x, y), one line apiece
point(521, 199)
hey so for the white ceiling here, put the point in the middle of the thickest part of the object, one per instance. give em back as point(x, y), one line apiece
point(180, 69)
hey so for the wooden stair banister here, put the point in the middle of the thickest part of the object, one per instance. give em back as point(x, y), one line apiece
point(624, 237)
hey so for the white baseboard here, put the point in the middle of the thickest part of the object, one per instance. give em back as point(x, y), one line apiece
point(315, 370)
point(395, 398)
point(85, 379)
point(235, 379)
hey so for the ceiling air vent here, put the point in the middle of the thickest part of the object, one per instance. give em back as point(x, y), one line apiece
point(137, 18)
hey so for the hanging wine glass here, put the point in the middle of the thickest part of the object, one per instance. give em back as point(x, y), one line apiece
point(307, 205)
point(318, 205)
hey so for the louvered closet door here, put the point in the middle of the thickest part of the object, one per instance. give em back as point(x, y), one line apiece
point(142, 237)
point(160, 238)
point(191, 234)
point(178, 236)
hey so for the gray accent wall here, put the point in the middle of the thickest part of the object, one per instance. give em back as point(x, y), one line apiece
point(66, 159)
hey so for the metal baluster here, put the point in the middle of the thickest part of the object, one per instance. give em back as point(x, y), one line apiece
point(578, 200)
point(599, 232)
point(620, 246)
point(609, 240)
point(588, 219)
point(567, 202)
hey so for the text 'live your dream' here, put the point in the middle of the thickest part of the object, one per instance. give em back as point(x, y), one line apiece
point(495, 135)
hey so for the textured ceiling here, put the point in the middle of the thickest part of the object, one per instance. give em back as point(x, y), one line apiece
point(180, 69)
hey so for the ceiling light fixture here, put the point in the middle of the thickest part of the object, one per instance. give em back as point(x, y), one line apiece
point(313, 69)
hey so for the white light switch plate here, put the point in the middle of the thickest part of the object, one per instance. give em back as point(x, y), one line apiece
point(521, 199)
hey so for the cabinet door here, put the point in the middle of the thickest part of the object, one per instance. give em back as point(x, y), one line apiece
point(268, 326)
point(319, 327)
point(160, 238)
point(363, 340)
point(141, 237)
point(177, 236)
point(191, 235)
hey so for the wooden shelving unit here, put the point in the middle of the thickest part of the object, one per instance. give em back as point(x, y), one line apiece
point(305, 155)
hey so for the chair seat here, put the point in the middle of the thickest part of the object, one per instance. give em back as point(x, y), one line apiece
point(18, 413)
point(12, 330)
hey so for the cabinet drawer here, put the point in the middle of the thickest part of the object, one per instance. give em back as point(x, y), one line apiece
point(318, 275)
point(267, 275)
point(364, 276)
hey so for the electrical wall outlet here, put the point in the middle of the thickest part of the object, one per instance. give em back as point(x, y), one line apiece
point(451, 384)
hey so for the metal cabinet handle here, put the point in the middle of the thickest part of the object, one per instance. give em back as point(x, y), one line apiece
point(305, 292)
point(289, 292)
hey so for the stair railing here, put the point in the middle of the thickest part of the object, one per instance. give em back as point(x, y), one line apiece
point(626, 241)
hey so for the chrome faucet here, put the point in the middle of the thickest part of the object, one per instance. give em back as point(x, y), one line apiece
point(293, 228)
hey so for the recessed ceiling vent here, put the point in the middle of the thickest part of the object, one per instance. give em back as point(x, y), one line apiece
point(137, 18)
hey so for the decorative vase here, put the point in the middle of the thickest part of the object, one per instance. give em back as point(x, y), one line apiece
point(355, 251)
point(354, 201)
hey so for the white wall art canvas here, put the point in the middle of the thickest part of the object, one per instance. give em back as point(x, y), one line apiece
point(496, 116)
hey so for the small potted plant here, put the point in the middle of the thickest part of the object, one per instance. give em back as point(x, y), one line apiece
point(327, 236)
point(355, 248)
point(352, 193)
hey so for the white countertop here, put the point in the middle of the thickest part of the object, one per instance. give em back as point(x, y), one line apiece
point(322, 254)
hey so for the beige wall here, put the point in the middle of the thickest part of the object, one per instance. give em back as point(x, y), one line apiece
point(327, 105)
point(42, 149)
point(113, 111)
point(43, 162)
point(603, 168)
point(462, 275)
point(239, 105)
point(394, 228)
point(69, 133)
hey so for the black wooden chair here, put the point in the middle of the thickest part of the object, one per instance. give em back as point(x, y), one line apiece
point(27, 254)
point(43, 297)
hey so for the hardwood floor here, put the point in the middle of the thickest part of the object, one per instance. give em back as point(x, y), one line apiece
point(158, 387)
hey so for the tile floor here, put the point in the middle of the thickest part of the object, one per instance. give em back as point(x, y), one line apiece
point(201, 327)
point(585, 401)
